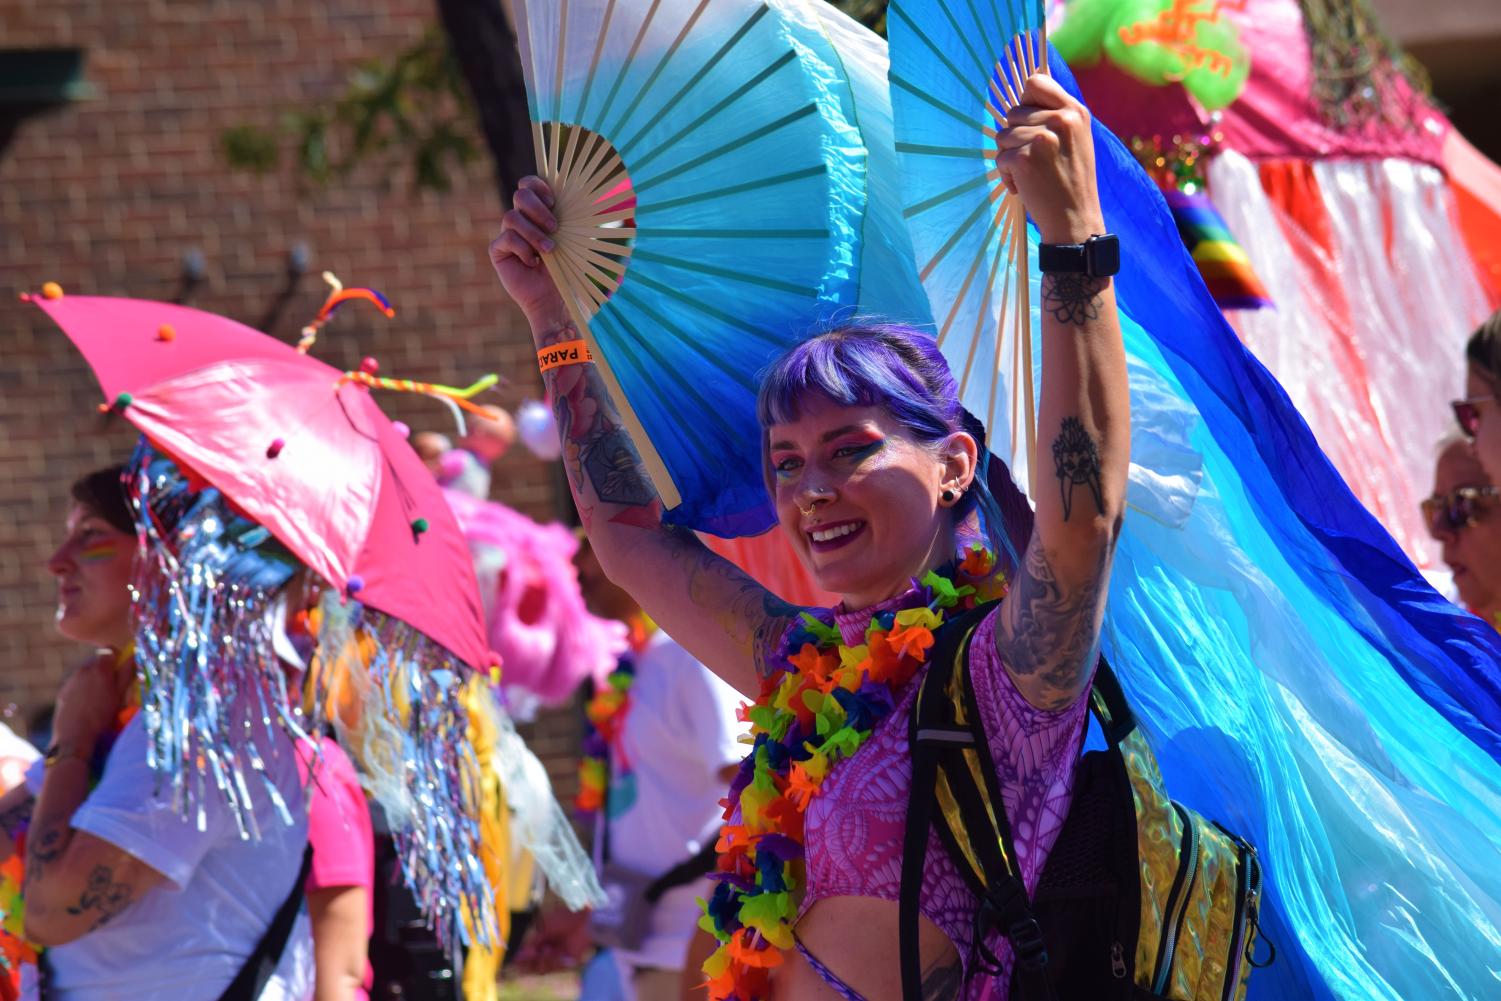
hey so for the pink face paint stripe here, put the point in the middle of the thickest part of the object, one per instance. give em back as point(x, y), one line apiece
point(101, 553)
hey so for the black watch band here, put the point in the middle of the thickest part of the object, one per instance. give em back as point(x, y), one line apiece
point(1098, 257)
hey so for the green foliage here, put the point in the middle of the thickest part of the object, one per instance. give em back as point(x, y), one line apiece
point(871, 13)
point(412, 106)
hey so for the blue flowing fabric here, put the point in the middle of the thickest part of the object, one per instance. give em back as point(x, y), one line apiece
point(1301, 682)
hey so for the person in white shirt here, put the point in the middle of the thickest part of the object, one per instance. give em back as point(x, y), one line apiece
point(670, 764)
point(129, 897)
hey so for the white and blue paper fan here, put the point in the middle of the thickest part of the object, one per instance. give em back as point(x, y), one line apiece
point(712, 183)
point(956, 69)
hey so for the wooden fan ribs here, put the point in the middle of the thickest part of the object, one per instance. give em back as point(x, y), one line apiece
point(995, 228)
point(608, 161)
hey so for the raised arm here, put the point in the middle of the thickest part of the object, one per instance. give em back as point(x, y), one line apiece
point(720, 614)
point(1049, 628)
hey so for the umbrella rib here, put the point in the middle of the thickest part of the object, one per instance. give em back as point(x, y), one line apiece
point(718, 108)
point(963, 37)
point(999, 315)
point(969, 277)
point(600, 159)
point(738, 234)
point(664, 364)
point(927, 98)
point(742, 141)
point(992, 30)
point(599, 48)
point(693, 81)
point(630, 58)
point(937, 52)
point(662, 63)
point(695, 304)
point(965, 152)
point(741, 188)
point(943, 196)
point(709, 269)
point(953, 239)
point(557, 87)
point(983, 312)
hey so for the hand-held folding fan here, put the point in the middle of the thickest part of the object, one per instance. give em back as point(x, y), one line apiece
point(957, 68)
point(709, 193)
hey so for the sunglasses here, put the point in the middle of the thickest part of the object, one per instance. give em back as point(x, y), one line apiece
point(1447, 514)
point(1467, 413)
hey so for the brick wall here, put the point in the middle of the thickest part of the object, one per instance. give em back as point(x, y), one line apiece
point(105, 196)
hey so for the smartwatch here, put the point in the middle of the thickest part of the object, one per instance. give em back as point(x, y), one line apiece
point(1098, 257)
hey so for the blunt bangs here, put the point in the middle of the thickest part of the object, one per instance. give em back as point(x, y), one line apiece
point(864, 365)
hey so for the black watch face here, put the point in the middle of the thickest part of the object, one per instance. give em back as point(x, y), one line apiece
point(1104, 256)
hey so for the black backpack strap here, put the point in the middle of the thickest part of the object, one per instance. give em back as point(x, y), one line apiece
point(261, 964)
point(683, 873)
point(951, 762)
point(1109, 704)
point(925, 733)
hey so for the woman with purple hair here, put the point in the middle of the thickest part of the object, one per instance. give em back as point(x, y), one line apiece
point(880, 479)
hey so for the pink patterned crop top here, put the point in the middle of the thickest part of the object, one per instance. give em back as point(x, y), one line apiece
point(854, 828)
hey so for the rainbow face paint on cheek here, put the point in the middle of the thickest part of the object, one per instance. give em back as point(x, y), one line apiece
point(101, 552)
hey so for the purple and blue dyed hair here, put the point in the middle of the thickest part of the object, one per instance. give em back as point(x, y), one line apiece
point(864, 364)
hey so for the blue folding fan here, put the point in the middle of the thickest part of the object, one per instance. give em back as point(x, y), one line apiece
point(711, 182)
point(957, 68)
point(1299, 679)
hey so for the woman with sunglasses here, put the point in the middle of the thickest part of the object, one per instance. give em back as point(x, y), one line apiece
point(1461, 516)
point(1477, 412)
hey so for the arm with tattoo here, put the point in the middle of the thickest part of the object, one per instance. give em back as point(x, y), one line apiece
point(718, 612)
point(75, 882)
point(1049, 626)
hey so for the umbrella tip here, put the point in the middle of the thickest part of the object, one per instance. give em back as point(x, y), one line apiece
point(118, 405)
point(274, 449)
point(52, 290)
point(166, 332)
point(419, 526)
point(369, 365)
point(354, 585)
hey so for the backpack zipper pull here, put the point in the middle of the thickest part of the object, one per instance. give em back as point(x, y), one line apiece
point(1117, 961)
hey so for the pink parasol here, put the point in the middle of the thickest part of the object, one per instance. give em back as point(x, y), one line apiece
point(297, 445)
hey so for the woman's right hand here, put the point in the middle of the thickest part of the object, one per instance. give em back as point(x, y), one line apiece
point(516, 254)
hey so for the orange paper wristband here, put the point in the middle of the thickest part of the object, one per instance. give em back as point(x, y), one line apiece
point(564, 353)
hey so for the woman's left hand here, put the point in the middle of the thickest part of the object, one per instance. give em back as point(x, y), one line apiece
point(89, 702)
point(1047, 157)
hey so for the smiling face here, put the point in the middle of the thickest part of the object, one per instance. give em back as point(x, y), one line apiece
point(860, 497)
point(93, 567)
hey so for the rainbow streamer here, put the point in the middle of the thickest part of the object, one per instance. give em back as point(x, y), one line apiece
point(1221, 260)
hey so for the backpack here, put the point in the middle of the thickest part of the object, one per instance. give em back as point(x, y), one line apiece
point(1140, 897)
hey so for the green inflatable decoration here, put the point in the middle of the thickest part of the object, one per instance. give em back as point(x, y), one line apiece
point(1159, 42)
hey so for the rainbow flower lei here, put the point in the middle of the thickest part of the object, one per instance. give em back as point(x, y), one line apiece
point(818, 708)
point(606, 712)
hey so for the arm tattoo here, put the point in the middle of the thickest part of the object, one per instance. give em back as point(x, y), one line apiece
point(45, 846)
point(942, 980)
point(1076, 460)
point(102, 895)
point(1048, 631)
point(597, 449)
point(14, 820)
point(1073, 300)
point(752, 616)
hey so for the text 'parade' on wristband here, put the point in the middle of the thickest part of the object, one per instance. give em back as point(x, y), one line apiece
point(567, 353)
